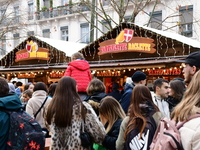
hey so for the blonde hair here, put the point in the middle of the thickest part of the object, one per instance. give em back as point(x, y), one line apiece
point(190, 99)
point(77, 55)
point(112, 110)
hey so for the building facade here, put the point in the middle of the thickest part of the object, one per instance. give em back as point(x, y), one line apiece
point(68, 19)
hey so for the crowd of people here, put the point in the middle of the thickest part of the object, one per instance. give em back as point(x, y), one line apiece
point(66, 108)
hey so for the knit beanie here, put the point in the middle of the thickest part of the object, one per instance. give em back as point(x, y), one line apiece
point(138, 76)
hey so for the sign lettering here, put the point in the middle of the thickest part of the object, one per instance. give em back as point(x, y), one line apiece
point(126, 42)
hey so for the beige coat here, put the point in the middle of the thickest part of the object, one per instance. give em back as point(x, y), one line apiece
point(190, 134)
point(35, 103)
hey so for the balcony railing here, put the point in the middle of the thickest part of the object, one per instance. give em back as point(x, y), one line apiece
point(61, 11)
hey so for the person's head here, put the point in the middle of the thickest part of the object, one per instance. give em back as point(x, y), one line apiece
point(115, 86)
point(52, 89)
point(141, 104)
point(65, 95)
point(19, 83)
point(14, 83)
point(176, 89)
point(4, 90)
point(109, 111)
point(139, 78)
point(29, 86)
point(27, 94)
point(40, 86)
point(94, 86)
point(161, 87)
point(190, 103)
point(192, 65)
point(11, 88)
point(77, 55)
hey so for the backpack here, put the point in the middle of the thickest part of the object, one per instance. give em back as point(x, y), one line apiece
point(132, 140)
point(167, 136)
point(24, 131)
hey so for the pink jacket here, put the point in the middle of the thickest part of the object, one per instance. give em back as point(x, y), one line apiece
point(80, 71)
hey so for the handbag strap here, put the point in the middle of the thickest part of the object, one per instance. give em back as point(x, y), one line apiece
point(40, 107)
point(82, 125)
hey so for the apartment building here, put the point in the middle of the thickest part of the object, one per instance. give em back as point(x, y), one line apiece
point(67, 19)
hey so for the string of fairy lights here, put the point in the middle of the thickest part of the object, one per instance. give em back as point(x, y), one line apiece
point(97, 73)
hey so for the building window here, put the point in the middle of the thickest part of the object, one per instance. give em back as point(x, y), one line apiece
point(3, 46)
point(128, 19)
point(156, 20)
point(85, 33)
point(3, 16)
point(16, 14)
point(64, 33)
point(30, 11)
point(16, 39)
point(64, 2)
point(105, 26)
point(186, 20)
point(30, 33)
point(46, 33)
point(46, 3)
point(106, 2)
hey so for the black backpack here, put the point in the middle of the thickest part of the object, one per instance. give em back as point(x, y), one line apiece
point(24, 131)
point(132, 140)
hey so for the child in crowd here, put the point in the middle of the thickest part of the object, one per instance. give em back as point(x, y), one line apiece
point(79, 69)
point(27, 94)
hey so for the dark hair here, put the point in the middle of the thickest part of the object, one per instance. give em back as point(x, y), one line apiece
point(159, 83)
point(19, 83)
point(13, 82)
point(65, 96)
point(178, 87)
point(26, 86)
point(40, 86)
point(140, 95)
point(52, 89)
point(4, 87)
point(95, 85)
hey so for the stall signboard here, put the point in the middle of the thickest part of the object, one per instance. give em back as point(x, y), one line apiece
point(56, 75)
point(165, 72)
point(32, 51)
point(26, 76)
point(126, 42)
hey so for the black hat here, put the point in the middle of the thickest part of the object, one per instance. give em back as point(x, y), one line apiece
point(138, 76)
point(193, 59)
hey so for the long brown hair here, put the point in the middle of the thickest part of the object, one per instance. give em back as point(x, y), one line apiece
point(178, 87)
point(190, 99)
point(112, 110)
point(61, 105)
point(140, 95)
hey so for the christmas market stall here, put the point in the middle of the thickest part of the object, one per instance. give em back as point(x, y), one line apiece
point(130, 47)
point(38, 59)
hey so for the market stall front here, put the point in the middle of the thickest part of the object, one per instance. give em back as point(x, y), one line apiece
point(38, 59)
point(130, 47)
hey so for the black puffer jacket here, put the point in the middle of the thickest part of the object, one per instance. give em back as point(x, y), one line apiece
point(110, 140)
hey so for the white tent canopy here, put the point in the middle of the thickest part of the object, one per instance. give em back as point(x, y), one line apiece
point(65, 46)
